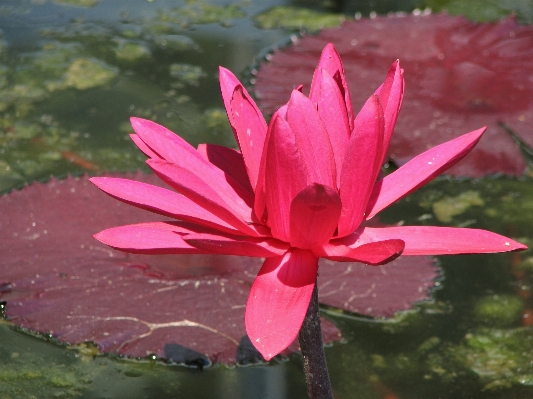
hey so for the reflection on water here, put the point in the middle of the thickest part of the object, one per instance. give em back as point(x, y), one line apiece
point(73, 72)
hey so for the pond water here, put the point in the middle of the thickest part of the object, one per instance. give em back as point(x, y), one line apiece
point(73, 72)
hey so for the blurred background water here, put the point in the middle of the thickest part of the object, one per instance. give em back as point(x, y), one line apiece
point(71, 74)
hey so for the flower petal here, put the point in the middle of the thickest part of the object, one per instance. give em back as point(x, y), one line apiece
point(279, 299)
point(419, 170)
point(286, 176)
point(147, 238)
point(431, 240)
point(260, 193)
point(314, 216)
point(332, 110)
point(331, 62)
point(250, 130)
point(202, 192)
point(373, 253)
point(235, 245)
point(143, 147)
point(312, 140)
point(246, 120)
point(174, 149)
point(361, 166)
point(390, 95)
point(228, 160)
point(159, 200)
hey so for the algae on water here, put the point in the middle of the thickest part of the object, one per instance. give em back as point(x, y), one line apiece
point(297, 18)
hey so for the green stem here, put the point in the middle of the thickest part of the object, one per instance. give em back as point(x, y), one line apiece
point(314, 357)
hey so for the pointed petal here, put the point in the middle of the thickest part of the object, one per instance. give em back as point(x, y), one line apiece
point(331, 62)
point(279, 299)
point(250, 131)
point(244, 116)
point(286, 177)
point(201, 192)
point(419, 170)
point(235, 245)
point(332, 110)
point(143, 147)
point(159, 200)
point(260, 193)
point(361, 166)
point(147, 238)
point(391, 96)
point(431, 240)
point(174, 149)
point(314, 216)
point(312, 140)
point(373, 253)
point(228, 160)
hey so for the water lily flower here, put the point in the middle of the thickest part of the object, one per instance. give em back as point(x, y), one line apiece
point(300, 188)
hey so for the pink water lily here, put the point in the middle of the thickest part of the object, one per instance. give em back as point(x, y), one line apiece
point(300, 188)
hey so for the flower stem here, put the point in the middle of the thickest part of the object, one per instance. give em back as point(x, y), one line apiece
point(314, 357)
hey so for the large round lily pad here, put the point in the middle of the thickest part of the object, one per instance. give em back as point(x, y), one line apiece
point(57, 279)
point(459, 75)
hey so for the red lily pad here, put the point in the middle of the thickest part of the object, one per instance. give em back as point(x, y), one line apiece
point(459, 76)
point(57, 279)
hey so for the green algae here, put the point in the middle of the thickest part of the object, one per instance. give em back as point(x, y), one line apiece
point(186, 74)
point(131, 52)
point(499, 310)
point(484, 10)
point(297, 18)
point(499, 358)
point(78, 3)
point(200, 12)
point(176, 42)
point(448, 207)
point(86, 73)
point(26, 375)
point(216, 120)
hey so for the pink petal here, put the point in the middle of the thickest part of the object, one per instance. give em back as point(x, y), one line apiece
point(143, 147)
point(373, 253)
point(419, 170)
point(312, 140)
point(228, 160)
point(174, 149)
point(431, 240)
point(235, 245)
point(260, 194)
point(332, 111)
point(159, 200)
point(279, 299)
point(361, 166)
point(314, 216)
point(391, 96)
point(147, 238)
point(250, 130)
point(202, 192)
point(246, 108)
point(331, 62)
point(285, 177)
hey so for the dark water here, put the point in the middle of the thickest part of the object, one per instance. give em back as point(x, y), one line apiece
point(158, 59)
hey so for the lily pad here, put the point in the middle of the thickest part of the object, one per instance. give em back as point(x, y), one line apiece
point(460, 76)
point(57, 279)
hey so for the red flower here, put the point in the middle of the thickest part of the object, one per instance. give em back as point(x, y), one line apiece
point(300, 189)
